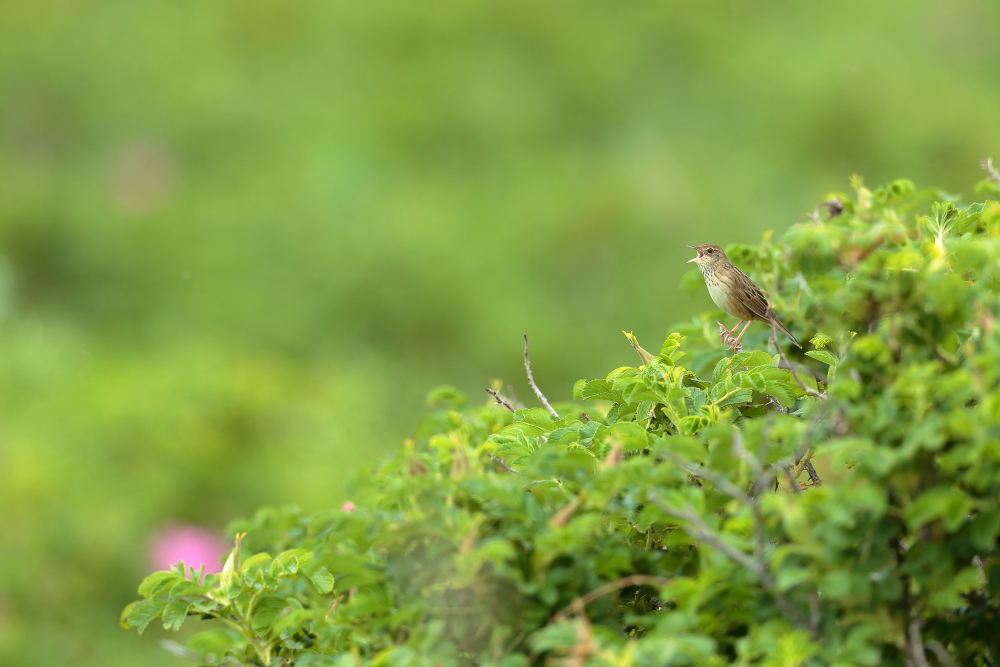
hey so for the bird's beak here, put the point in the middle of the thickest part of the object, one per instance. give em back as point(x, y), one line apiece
point(694, 259)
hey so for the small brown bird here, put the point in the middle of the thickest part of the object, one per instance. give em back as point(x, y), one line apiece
point(734, 292)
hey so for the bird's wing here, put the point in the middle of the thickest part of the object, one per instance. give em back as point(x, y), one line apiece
point(756, 301)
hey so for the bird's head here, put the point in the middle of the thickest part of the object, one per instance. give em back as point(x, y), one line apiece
point(708, 254)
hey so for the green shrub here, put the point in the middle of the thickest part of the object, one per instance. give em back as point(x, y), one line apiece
point(679, 519)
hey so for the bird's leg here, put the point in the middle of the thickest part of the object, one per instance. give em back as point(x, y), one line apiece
point(737, 341)
point(726, 335)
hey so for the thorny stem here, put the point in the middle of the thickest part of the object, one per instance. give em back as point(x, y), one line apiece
point(531, 381)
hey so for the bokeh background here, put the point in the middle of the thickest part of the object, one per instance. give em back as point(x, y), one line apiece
point(241, 240)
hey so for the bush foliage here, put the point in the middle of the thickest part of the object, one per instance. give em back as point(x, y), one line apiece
point(830, 507)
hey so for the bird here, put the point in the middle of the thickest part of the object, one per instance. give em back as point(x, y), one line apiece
point(734, 292)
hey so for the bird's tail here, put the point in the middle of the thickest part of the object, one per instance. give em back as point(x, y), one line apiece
point(781, 327)
point(773, 319)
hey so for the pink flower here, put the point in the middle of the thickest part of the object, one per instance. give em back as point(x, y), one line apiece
point(348, 506)
point(191, 544)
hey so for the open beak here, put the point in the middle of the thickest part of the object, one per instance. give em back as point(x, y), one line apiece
point(694, 259)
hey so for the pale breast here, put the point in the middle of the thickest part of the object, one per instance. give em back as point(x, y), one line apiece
point(734, 293)
point(721, 296)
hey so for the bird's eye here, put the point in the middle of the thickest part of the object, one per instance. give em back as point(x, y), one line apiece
point(709, 251)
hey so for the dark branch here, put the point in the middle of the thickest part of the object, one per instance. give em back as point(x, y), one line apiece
point(531, 381)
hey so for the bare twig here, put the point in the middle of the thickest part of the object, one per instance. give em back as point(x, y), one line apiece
point(502, 464)
point(531, 381)
point(987, 164)
point(494, 394)
point(576, 607)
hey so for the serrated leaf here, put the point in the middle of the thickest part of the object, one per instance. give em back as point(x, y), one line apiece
point(140, 614)
point(737, 397)
point(596, 389)
point(780, 392)
point(823, 355)
point(752, 359)
point(322, 580)
point(174, 614)
point(721, 371)
point(255, 560)
point(613, 414)
point(820, 340)
point(266, 613)
point(156, 582)
point(945, 503)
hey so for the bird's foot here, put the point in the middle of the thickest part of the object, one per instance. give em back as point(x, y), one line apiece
point(727, 338)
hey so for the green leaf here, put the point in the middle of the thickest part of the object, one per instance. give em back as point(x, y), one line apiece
point(174, 615)
point(738, 397)
point(447, 396)
point(945, 503)
point(156, 582)
point(823, 355)
point(613, 414)
point(140, 614)
point(322, 580)
point(253, 561)
point(820, 340)
point(984, 528)
point(752, 359)
point(266, 613)
point(595, 389)
point(721, 370)
point(631, 435)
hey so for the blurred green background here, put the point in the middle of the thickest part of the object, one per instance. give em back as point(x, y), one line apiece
point(240, 240)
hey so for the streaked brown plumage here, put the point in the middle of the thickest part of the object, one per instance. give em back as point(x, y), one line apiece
point(734, 292)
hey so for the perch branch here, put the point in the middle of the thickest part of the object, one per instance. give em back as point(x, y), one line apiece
point(531, 381)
